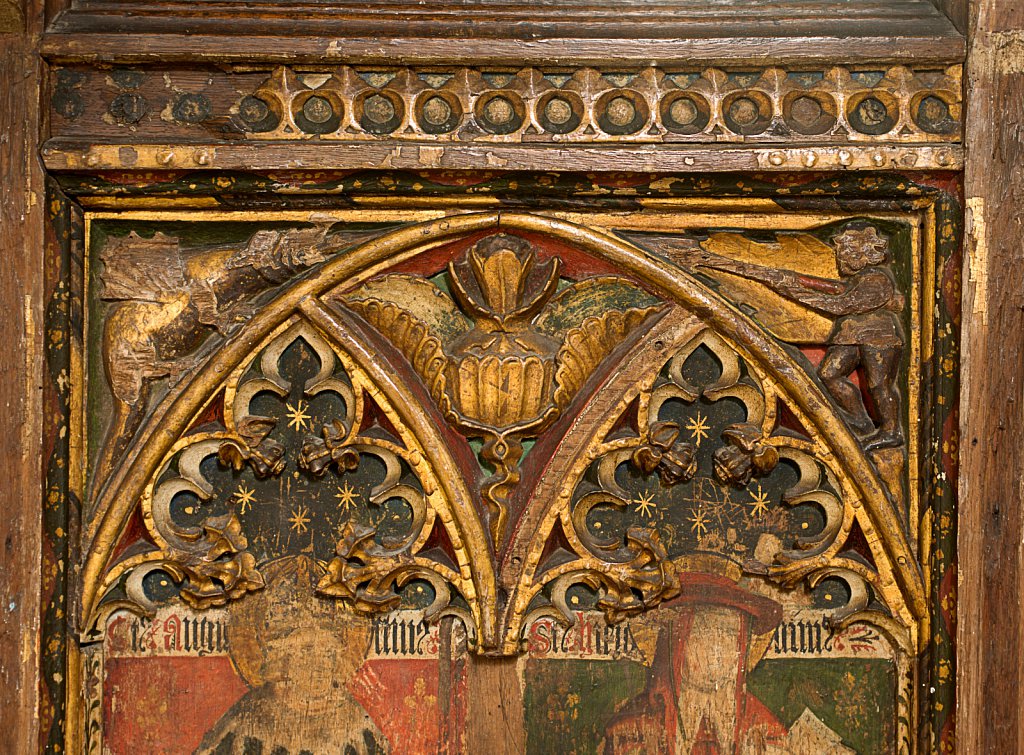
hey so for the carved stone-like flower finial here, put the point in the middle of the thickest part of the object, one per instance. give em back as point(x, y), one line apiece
point(501, 282)
point(745, 455)
point(318, 454)
point(263, 454)
point(674, 462)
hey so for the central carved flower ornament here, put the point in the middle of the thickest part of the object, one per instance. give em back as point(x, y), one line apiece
point(502, 372)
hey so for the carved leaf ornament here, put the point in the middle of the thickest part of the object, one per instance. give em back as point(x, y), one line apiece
point(501, 434)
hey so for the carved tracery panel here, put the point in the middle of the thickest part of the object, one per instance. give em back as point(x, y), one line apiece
point(670, 454)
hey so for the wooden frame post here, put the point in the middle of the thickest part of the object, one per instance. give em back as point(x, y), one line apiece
point(22, 208)
point(991, 633)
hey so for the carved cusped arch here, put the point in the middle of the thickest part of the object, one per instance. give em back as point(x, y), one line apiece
point(493, 386)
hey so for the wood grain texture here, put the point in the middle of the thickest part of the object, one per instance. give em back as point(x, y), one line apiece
point(665, 20)
point(877, 45)
point(991, 656)
point(956, 11)
point(494, 718)
point(21, 374)
point(75, 155)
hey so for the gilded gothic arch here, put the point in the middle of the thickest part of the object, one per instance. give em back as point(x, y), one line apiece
point(605, 366)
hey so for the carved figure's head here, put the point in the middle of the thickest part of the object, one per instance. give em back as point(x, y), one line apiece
point(858, 247)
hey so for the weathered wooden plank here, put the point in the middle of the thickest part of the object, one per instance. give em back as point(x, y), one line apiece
point(21, 371)
point(955, 10)
point(719, 45)
point(495, 707)
point(991, 656)
point(63, 154)
point(508, 33)
point(518, 20)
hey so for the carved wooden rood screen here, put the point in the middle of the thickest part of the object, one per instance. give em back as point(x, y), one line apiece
point(430, 408)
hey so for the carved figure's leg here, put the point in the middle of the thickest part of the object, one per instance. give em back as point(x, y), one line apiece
point(839, 362)
point(881, 366)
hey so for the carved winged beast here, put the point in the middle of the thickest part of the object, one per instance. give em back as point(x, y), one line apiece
point(509, 349)
point(169, 300)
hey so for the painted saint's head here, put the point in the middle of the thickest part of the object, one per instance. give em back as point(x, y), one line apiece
point(275, 632)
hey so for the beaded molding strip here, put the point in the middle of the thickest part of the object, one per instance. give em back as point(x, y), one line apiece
point(892, 105)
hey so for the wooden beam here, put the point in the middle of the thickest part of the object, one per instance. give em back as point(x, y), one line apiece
point(937, 47)
point(82, 155)
point(991, 526)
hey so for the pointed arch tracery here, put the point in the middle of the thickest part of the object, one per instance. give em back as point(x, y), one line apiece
point(634, 571)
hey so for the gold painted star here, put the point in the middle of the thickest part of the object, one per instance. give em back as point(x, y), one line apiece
point(346, 496)
point(245, 497)
point(300, 519)
point(759, 506)
point(699, 522)
point(698, 427)
point(645, 504)
point(297, 417)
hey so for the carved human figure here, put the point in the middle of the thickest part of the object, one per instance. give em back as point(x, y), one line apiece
point(300, 654)
point(865, 303)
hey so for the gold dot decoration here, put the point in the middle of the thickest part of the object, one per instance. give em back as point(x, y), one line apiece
point(499, 111)
point(378, 109)
point(317, 113)
point(744, 111)
point(873, 113)
point(560, 112)
point(621, 111)
point(438, 113)
point(380, 112)
point(933, 115)
point(805, 110)
point(747, 113)
point(810, 114)
point(317, 110)
point(685, 113)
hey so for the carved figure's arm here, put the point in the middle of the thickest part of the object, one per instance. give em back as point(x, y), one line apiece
point(861, 293)
point(864, 292)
